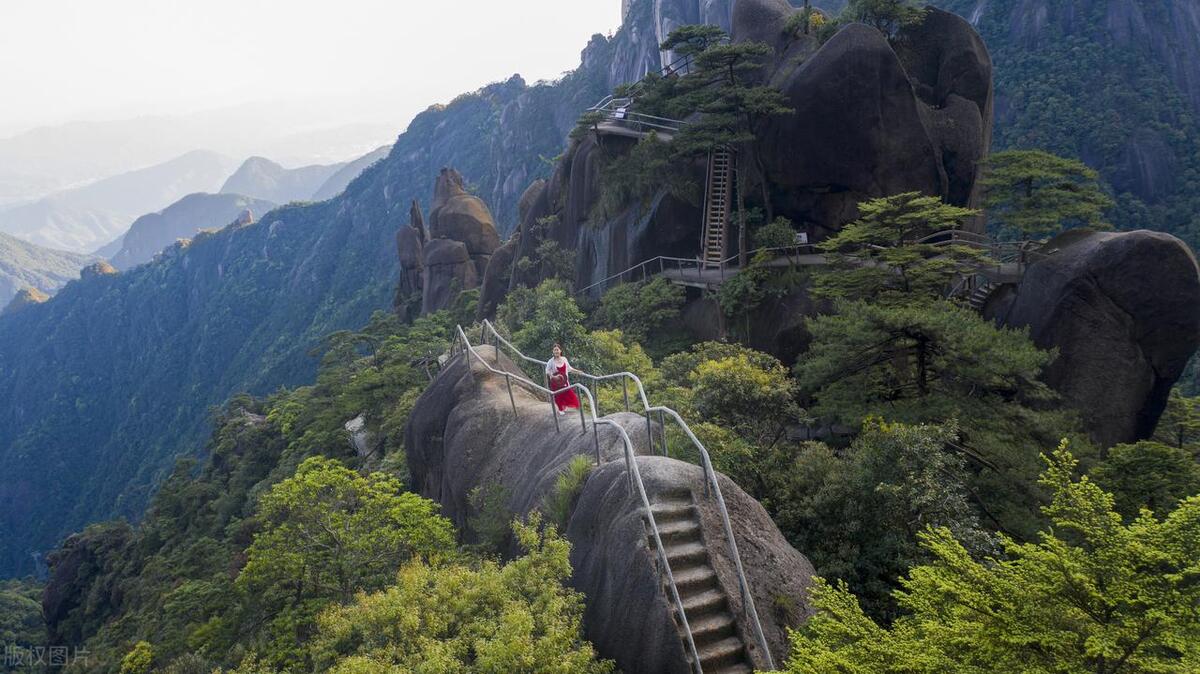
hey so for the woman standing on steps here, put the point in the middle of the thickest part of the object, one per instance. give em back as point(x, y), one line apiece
point(557, 369)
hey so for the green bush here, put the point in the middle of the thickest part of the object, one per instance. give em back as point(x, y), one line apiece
point(561, 501)
point(519, 617)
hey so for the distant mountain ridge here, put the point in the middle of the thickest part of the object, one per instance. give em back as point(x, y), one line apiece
point(262, 178)
point(341, 178)
point(26, 265)
point(43, 160)
point(85, 218)
point(183, 219)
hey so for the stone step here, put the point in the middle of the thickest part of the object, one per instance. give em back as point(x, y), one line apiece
point(704, 603)
point(673, 496)
point(724, 653)
point(694, 579)
point(679, 532)
point(712, 629)
point(666, 513)
point(736, 668)
point(688, 553)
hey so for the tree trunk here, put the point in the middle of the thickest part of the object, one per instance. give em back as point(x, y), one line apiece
point(922, 366)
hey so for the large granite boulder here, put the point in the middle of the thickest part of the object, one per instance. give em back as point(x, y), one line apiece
point(562, 211)
point(856, 132)
point(870, 117)
point(464, 433)
point(448, 270)
point(460, 216)
point(496, 277)
point(1123, 310)
point(410, 249)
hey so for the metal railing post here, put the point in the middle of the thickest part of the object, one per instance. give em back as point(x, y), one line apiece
point(511, 399)
point(596, 439)
point(582, 422)
point(649, 432)
point(663, 428)
point(625, 391)
point(554, 413)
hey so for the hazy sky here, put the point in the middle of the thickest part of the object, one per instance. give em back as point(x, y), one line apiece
point(85, 60)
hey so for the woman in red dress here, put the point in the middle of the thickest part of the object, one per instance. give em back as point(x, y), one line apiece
point(557, 369)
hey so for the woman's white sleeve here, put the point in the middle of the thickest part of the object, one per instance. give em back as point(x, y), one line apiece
point(550, 366)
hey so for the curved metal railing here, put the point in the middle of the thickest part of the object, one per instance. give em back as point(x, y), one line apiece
point(711, 487)
point(463, 345)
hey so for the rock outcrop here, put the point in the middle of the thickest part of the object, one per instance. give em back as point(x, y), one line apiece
point(870, 119)
point(1123, 311)
point(463, 434)
point(96, 269)
point(447, 271)
point(25, 297)
point(410, 247)
point(450, 255)
point(460, 216)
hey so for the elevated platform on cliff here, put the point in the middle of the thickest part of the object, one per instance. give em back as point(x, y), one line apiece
point(619, 119)
point(1010, 262)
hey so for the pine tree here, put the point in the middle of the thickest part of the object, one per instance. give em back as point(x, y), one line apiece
point(1035, 193)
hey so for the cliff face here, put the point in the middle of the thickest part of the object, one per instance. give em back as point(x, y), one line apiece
point(868, 120)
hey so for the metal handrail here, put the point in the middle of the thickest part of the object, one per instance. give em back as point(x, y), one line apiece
point(635, 475)
point(709, 474)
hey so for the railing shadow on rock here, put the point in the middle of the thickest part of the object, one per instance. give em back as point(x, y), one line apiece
point(712, 488)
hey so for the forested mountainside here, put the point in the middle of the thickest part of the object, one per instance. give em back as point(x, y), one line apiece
point(153, 232)
point(25, 265)
point(102, 386)
point(1114, 83)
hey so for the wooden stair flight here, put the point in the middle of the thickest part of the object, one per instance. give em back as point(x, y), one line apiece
point(705, 604)
point(718, 197)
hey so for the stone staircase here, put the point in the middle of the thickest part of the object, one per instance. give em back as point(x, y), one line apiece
point(980, 295)
point(717, 204)
point(714, 628)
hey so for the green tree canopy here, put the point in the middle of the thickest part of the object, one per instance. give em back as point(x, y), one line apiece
point(1148, 474)
point(856, 512)
point(645, 312)
point(886, 15)
point(1035, 193)
point(328, 533)
point(519, 617)
point(884, 256)
point(914, 362)
point(1092, 595)
point(1179, 425)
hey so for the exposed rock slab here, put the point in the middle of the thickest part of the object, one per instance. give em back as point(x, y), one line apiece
point(463, 434)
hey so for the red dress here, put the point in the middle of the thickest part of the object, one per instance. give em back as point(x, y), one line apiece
point(558, 382)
